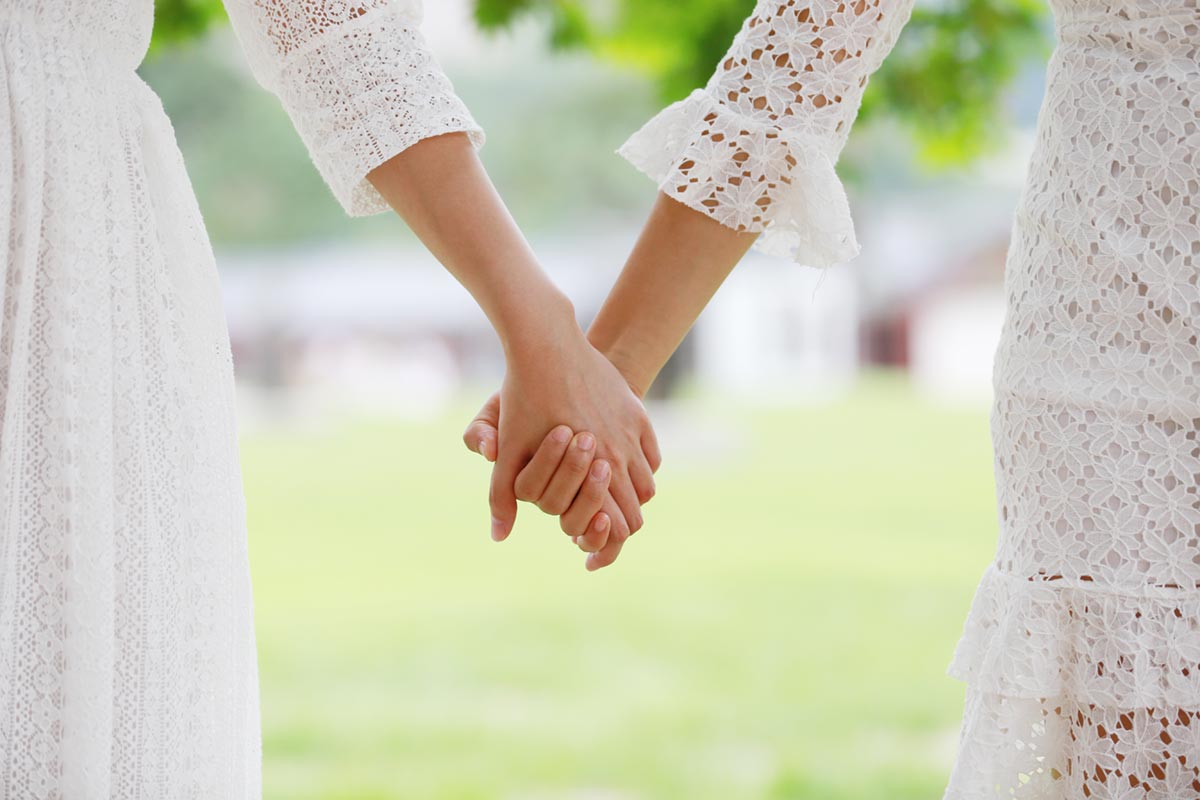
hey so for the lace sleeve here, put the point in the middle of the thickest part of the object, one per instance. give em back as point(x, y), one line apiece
point(756, 148)
point(357, 79)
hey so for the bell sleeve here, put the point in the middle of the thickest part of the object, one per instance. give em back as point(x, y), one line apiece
point(756, 148)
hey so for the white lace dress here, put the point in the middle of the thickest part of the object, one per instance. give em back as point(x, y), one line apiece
point(1082, 648)
point(126, 647)
point(127, 661)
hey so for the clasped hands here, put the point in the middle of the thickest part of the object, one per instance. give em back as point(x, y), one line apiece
point(568, 430)
point(568, 433)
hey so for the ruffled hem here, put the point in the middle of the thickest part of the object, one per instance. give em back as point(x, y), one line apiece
point(1059, 749)
point(750, 176)
point(1045, 639)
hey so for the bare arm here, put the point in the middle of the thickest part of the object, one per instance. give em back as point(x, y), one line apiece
point(386, 130)
point(749, 157)
point(680, 260)
point(554, 376)
point(440, 188)
point(755, 152)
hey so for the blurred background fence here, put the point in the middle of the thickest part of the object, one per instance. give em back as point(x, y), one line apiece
point(781, 627)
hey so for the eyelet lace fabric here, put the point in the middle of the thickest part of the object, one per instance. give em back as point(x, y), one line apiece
point(756, 148)
point(357, 80)
point(127, 654)
point(1082, 648)
point(127, 665)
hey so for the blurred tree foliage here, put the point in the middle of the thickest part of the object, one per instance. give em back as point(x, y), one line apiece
point(945, 81)
point(176, 20)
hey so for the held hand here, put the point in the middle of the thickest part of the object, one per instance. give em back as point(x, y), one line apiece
point(565, 480)
point(563, 474)
point(566, 381)
point(551, 480)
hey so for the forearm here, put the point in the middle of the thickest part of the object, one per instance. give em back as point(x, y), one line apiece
point(680, 260)
point(440, 188)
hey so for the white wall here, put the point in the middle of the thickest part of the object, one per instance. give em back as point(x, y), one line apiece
point(954, 338)
point(778, 333)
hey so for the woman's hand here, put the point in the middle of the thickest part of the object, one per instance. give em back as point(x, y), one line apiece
point(441, 189)
point(565, 381)
point(561, 379)
point(557, 477)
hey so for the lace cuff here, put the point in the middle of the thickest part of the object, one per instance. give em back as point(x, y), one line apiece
point(364, 93)
point(750, 176)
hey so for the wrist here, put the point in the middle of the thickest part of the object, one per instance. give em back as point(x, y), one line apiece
point(544, 317)
point(624, 356)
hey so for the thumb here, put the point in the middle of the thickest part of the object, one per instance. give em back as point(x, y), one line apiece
point(502, 497)
point(482, 435)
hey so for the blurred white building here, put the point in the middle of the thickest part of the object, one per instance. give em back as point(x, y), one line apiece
point(390, 329)
point(778, 333)
point(386, 328)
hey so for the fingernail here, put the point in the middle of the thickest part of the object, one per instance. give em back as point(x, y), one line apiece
point(483, 447)
point(586, 442)
point(497, 530)
point(578, 540)
point(591, 562)
point(602, 523)
point(561, 434)
point(600, 470)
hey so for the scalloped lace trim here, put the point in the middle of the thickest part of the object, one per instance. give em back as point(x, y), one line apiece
point(749, 176)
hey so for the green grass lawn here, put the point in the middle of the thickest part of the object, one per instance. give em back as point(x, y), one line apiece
point(780, 629)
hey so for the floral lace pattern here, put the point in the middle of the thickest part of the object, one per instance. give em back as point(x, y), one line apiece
point(127, 663)
point(127, 654)
point(1082, 649)
point(756, 148)
point(1059, 749)
point(357, 80)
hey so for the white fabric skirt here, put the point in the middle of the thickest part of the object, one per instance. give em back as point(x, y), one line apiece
point(127, 656)
point(1082, 649)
